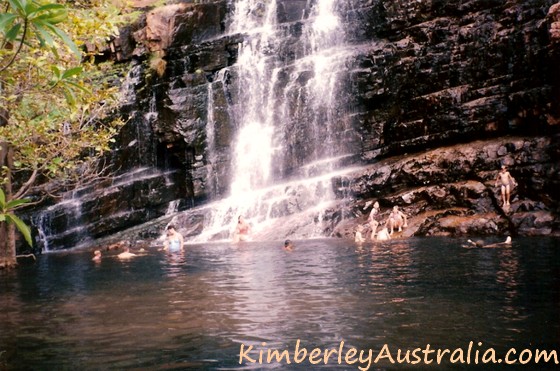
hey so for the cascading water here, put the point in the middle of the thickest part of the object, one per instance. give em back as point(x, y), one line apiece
point(99, 208)
point(66, 216)
point(288, 120)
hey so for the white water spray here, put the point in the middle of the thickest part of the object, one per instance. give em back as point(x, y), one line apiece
point(266, 111)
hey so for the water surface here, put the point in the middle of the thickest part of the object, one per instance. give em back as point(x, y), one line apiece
point(193, 312)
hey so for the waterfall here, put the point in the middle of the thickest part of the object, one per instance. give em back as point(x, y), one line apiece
point(61, 222)
point(289, 120)
point(211, 155)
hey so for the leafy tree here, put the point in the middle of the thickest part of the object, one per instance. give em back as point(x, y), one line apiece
point(7, 215)
point(56, 102)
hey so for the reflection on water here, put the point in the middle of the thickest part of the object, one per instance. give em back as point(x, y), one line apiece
point(193, 312)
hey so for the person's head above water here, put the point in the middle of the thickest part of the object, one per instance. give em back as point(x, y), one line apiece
point(170, 229)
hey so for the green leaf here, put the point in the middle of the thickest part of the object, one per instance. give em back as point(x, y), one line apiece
point(15, 203)
point(23, 228)
point(2, 199)
point(13, 33)
point(19, 6)
point(70, 97)
point(48, 7)
point(85, 90)
point(30, 8)
point(2, 217)
point(6, 19)
point(71, 72)
point(56, 71)
point(67, 40)
point(52, 13)
point(43, 35)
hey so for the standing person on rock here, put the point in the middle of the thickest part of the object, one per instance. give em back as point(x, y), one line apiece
point(372, 222)
point(506, 182)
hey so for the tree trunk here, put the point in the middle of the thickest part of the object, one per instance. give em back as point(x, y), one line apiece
point(7, 246)
point(7, 231)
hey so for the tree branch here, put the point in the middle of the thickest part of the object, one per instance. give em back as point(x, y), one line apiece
point(25, 186)
point(23, 35)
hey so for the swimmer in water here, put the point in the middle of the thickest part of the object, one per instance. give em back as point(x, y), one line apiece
point(481, 245)
point(359, 238)
point(383, 234)
point(288, 245)
point(96, 256)
point(174, 241)
point(126, 254)
point(242, 230)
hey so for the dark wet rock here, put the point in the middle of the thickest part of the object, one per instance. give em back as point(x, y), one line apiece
point(439, 94)
point(451, 191)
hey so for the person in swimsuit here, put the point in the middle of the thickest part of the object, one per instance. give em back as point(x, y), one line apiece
point(242, 230)
point(174, 241)
point(506, 181)
point(372, 222)
point(397, 220)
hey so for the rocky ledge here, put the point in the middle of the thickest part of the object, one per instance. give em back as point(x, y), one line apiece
point(450, 191)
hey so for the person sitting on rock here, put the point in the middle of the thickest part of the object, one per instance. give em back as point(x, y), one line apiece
point(397, 220)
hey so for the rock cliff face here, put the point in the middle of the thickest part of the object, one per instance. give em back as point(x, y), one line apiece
point(436, 96)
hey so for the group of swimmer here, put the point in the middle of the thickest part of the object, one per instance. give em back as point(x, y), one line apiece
point(396, 221)
point(172, 243)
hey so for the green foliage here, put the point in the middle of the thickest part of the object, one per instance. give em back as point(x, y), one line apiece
point(38, 19)
point(56, 103)
point(7, 215)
